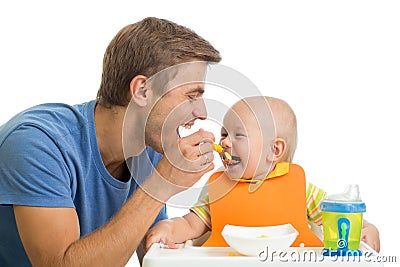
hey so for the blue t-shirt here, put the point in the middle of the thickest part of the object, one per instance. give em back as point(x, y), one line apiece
point(49, 157)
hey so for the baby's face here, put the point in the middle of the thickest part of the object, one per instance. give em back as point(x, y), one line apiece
point(242, 137)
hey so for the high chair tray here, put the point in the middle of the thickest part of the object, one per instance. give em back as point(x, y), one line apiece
point(227, 257)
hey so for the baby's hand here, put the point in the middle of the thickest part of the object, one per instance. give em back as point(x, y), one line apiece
point(370, 235)
point(160, 233)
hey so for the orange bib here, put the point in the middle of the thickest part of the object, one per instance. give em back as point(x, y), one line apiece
point(277, 200)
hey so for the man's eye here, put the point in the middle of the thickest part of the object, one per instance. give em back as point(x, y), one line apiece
point(224, 135)
point(192, 97)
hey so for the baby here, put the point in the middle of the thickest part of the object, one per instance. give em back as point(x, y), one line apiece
point(259, 186)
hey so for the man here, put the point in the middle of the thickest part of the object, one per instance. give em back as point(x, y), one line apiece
point(67, 197)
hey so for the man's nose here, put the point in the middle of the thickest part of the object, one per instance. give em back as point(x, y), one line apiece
point(200, 110)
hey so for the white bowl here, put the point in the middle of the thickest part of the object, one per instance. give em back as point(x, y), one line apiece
point(251, 241)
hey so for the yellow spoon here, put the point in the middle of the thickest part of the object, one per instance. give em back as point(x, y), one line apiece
point(217, 148)
point(227, 157)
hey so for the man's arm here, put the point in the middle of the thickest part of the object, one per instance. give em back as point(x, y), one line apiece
point(51, 235)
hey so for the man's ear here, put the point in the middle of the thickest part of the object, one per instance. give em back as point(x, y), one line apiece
point(278, 150)
point(138, 90)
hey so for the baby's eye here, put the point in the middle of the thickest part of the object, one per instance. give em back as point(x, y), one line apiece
point(239, 135)
point(224, 135)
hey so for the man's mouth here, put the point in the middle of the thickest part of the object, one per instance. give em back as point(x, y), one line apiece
point(184, 126)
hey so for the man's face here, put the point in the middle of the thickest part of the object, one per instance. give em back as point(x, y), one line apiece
point(179, 107)
point(179, 103)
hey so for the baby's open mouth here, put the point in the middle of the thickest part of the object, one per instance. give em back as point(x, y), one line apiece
point(227, 158)
point(230, 160)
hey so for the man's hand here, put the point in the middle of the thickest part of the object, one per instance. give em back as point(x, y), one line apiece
point(183, 164)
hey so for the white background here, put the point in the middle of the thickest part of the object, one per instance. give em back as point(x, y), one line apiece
point(337, 63)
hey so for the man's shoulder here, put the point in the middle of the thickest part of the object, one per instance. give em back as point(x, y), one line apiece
point(55, 119)
point(53, 114)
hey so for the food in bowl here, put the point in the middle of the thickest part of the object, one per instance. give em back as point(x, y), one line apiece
point(250, 240)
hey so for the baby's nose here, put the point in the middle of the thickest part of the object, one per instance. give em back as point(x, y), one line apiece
point(226, 142)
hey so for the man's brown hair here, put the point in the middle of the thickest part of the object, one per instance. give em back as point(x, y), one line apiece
point(145, 48)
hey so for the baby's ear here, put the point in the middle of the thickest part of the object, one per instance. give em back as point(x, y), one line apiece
point(278, 150)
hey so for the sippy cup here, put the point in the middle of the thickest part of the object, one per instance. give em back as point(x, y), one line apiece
point(342, 222)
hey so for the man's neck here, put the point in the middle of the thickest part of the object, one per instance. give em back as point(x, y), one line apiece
point(109, 124)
